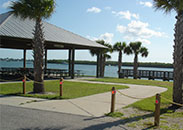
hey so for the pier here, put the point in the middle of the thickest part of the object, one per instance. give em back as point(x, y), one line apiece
point(149, 74)
point(16, 73)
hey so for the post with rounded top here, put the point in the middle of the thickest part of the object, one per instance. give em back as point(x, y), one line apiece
point(157, 110)
point(61, 87)
point(113, 99)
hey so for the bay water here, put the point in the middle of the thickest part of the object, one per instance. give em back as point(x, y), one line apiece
point(90, 70)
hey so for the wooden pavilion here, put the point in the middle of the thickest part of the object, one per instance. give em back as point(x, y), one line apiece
point(16, 33)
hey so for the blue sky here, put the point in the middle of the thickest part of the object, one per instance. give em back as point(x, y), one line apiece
point(113, 21)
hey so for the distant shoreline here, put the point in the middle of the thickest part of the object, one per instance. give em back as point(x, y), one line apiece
point(112, 63)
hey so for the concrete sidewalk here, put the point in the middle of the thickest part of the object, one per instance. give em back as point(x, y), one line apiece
point(94, 105)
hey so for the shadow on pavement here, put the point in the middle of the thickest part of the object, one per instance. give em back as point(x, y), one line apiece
point(118, 122)
point(38, 128)
point(121, 122)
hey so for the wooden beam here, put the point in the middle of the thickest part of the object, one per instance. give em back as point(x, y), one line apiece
point(101, 65)
point(24, 64)
point(73, 57)
point(98, 66)
point(69, 62)
point(45, 60)
point(24, 76)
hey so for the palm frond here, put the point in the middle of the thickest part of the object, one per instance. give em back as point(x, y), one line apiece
point(94, 52)
point(33, 9)
point(102, 51)
point(135, 46)
point(128, 50)
point(118, 46)
point(107, 56)
point(168, 5)
point(144, 52)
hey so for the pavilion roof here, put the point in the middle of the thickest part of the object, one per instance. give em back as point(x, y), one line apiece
point(17, 33)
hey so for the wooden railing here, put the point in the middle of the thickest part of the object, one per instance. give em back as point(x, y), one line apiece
point(150, 74)
point(48, 73)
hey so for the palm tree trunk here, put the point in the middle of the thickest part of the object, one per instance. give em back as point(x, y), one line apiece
point(178, 61)
point(38, 53)
point(119, 62)
point(135, 67)
point(103, 66)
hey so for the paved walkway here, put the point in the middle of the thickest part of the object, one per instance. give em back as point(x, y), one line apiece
point(94, 105)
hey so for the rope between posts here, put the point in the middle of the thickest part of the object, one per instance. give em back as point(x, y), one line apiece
point(128, 95)
point(12, 79)
point(35, 81)
point(181, 105)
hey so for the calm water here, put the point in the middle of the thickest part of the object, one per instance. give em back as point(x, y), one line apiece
point(110, 71)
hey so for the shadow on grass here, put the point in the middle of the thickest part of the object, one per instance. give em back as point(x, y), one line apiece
point(121, 122)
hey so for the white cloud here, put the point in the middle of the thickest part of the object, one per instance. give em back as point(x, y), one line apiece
point(91, 38)
point(94, 10)
point(143, 41)
point(107, 8)
point(107, 37)
point(146, 4)
point(6, 4)
point(114, 12)
point(121, 28)
point(126, 14)
point(137, 30)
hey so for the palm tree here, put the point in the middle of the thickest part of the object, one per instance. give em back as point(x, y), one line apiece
point(35, 10)
point(167, 6)
point(119, 47)
point(136, 48)
point(103, 55)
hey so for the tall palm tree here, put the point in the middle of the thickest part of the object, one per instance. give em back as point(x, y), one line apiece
point(35, 10)
point(168, 6)
point(136, 49)
point(119, 47)
point(103, 55)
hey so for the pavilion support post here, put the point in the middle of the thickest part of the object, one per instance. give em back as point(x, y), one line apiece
point(69, 62)
point(24, 76)
point(24, 59)
point(101, 65)
point(98, 66)
point(45, 61)
point(73, 57)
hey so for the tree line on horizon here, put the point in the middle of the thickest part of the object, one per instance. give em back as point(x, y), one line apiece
point(112, 63)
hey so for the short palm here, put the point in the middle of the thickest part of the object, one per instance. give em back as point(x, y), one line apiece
point(136, 49)
point(119, 47)
point(103, 55)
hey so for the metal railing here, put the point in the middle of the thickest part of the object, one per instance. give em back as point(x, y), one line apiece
point(150, 74)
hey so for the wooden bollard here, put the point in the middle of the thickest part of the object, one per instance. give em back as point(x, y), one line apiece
point(157, 110)
point(113, 99)
point(61, 86)
point(24, 84)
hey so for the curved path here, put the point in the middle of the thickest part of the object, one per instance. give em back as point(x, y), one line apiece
point(94, 105)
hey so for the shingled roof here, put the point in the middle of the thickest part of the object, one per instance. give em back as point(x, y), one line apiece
point(17, 33)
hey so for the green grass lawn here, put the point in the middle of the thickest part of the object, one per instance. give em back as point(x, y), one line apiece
point(70, 89)
point(148, 103)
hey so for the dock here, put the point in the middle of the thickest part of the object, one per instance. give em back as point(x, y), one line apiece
point(17, 73)
point(149, 74)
